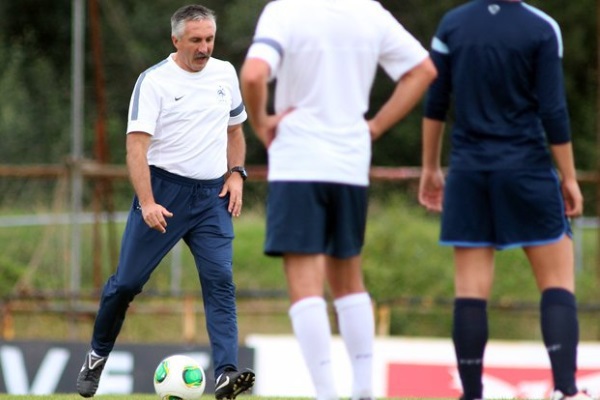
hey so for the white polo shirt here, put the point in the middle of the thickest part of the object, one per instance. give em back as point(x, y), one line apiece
point(324, 55)
point(187, 114)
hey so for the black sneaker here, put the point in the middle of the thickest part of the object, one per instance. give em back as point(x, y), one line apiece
point(89, 376)
point(231, 383)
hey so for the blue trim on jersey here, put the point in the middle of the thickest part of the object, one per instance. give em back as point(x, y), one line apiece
point(135, 107)
point(439, 46)
point(272, 43)
point(465, 244)
point(503, 247)
point(237, 111)
point(552, 23)
point(500, 65)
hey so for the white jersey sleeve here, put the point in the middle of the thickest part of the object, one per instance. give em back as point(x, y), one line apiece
point(269, 39)
point(237, 114)
point(400, 51)
point(145, 104)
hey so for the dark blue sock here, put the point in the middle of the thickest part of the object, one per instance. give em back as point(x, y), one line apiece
point(470, 335)
point(560, 330)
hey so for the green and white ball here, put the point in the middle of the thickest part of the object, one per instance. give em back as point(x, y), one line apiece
point(179, 377)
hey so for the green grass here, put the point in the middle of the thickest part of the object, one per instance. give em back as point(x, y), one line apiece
point(105, 397)
point(135, 397)
point(112, 397)
point(403, 265)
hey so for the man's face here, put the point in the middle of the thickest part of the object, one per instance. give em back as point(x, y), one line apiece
point(195, 45)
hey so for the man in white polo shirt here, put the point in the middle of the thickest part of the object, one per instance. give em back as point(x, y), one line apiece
point(324, 56)
point(185, 155)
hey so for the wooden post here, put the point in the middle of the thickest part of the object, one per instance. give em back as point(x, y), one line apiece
point(384, 320)
point(8, 324)
point(189, 318)
point(597, 183)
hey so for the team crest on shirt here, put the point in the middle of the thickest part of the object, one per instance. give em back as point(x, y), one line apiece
point(493, 9)
point(221, 96)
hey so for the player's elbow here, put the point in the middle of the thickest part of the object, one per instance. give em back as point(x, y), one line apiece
point(254, 73)
point(428, 70)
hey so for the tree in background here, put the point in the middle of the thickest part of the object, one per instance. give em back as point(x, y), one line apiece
point(35, 56)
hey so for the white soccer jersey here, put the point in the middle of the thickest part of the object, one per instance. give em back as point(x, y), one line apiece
point(187, 114)
point(324, 55)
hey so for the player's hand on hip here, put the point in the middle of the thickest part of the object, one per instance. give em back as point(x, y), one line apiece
point(268, 129)
point(155, 216)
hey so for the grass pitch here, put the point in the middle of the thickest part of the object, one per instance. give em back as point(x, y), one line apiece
point(126, 397)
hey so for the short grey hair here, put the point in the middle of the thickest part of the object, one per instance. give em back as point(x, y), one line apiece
point(192, 12)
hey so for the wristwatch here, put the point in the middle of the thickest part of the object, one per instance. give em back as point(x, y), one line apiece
point(241, 170)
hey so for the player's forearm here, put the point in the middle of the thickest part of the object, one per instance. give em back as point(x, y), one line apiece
point(433, 131)
point(255, 97)
point(253, 82)
point(565, 163)
point(236, 146)
point(408, 92)
point(139, 171)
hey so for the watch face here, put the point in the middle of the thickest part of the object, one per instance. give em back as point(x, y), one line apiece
point(241, 170)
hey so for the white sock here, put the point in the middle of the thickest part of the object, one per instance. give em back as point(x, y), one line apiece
point(357, 328)
point(311, 327)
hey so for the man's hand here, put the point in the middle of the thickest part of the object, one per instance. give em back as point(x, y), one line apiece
point(234, 185)
point(573, 198)
point(431, 189)
point(155, 216)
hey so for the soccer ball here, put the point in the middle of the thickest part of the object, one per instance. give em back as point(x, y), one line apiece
point(179, 377)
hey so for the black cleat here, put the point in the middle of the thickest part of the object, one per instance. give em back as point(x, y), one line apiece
point(231, 383)
point(89, 376)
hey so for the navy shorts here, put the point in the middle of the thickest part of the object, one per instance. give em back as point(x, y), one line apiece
point(503, 209)
point(316, 218)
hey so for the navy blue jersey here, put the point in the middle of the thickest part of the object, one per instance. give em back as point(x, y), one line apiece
point(500, 64)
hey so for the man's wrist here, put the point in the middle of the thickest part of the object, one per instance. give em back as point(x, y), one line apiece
point(240, 170)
